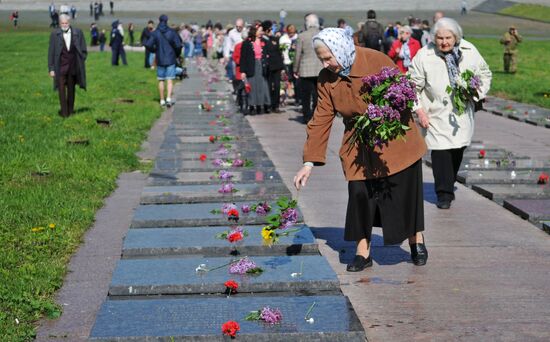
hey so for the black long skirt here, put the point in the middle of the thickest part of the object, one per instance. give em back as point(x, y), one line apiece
point(395, 203)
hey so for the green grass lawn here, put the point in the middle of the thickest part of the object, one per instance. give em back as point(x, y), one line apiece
point(532, 79)
point(528, 11)
point(43, 218)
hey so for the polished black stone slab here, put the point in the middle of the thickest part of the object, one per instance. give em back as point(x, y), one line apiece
point(147, 242)
point(498, 177)
point(174, 276)
point(211, 155)
point(206, 147)
point(206, 177)
point(509, 165)
point(534, 210)
point(197, 214)
point(161, 319)
point(500, 192)
point(197, 165)
point(211, 193)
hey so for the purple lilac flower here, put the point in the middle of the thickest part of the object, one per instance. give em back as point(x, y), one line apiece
point(289, 217)
point(271, 316)
point(245, 208)
point(242, 266)
point(217, 162)
point(377, 79)
point(228, 206)
point(238, 163)
point(225, 175)
point(399, 94)
point(475, 82)
point(222, 152)
point(262, 208)
point(227, 130)
point(226, 188)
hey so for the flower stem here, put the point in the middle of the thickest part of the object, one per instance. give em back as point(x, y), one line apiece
point(309, 310)
point(229, 263)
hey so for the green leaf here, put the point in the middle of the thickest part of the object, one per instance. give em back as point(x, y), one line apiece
point(253, 316)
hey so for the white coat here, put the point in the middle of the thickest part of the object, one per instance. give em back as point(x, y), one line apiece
point(429, 72)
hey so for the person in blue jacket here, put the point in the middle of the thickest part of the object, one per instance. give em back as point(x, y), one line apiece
point(116, 43)
point(167, 45)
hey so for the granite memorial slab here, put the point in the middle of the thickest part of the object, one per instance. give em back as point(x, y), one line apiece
point(178, 276)
point(147, 242)
point(213, 193)
point(509, 165)
point(196, 214)
point(498, 177)
point(211, 155)
point(162, 319)
point(239, 145)
point(546, 226)
point(205, 139)
point(500, 192)
point(197, 165)
point(215, 131)
point(206, 177)
point(534, 210)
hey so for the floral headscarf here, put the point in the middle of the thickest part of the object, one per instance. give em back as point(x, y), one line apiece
point(340, 43)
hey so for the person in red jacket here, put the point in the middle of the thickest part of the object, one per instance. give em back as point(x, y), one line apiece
point(240, 86)
point(404, 48)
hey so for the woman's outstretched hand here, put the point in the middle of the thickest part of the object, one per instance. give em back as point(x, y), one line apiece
point(302, 176)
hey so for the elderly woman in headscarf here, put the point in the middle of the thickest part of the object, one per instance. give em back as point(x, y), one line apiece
point(384, 182)
point(437, 66)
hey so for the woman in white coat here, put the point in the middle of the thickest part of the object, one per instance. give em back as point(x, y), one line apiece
point(435, 67)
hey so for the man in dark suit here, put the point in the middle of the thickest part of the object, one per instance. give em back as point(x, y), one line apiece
point(275, 65)
point(66, 56)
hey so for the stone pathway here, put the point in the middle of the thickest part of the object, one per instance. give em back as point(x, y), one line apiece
point(170, 282)
point(486, 279)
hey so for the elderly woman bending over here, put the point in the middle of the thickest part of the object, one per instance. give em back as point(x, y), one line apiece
point(447, 133)
point(385, 182)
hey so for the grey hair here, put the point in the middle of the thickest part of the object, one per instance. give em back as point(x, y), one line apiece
point(312, 21)
point(406, 28)
point(317, 43)
point(450, 25)
point(65, 16)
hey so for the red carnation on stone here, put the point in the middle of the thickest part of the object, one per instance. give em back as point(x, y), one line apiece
point(230, 328)
point(212, 139)
point(481, 154)
point(543, 178)
point(235, 236)
point(202, 157)
point(233, 214)
point(231, 287)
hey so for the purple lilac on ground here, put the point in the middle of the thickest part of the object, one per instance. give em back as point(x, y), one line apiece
point(225, 175)
point(226, 188)
point(242, 266)
point(271, 316)
point(238, 163)
point(245, 208)
point(217, 162)
point(222, 152)
point(289, 217)
point(262, 208)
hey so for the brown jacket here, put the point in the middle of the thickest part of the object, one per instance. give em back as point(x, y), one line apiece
point(342, 95)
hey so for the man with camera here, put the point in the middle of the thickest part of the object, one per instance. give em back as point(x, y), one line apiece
point(510, 40)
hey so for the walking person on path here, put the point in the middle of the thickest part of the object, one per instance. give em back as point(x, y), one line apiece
point(117, 43)
point(307, 67)
point(167, 46)
point(254, 70)
point(66, 56)
point(145, 34)
point(436, 67)
point(274, 65)
point(384, 182)
point(510, 40)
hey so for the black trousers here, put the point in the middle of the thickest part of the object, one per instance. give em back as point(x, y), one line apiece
point(308, 92)
point(274, 84)
point(445, 165)
point(147, 56)
point(66, 89)
point(118, 50)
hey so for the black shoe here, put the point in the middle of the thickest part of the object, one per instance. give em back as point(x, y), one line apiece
point(446, 204)
point(419, 254)
point(359, 263)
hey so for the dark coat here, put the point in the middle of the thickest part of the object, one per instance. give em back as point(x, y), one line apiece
point(117, 39)
point(165, 43)
point(275, 60)
point(248, 60)
point(54, 55)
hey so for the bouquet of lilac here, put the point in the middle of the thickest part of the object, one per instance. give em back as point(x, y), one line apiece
point(466, 88)
point(388, 94)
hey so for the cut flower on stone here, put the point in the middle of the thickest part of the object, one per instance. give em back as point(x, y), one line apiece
point(481, 154)
point(231, 287)
point(233, 215)
point(202, 157)
point(543, 178)
point(230, 328)
point(266, 314)
point(233, 235)
point(281, 221)
point(244, 266)
point(227, 189)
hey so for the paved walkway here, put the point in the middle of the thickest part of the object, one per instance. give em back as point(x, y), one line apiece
point(487, 276)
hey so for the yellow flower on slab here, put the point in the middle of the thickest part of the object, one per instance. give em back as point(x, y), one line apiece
point(51, 225)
